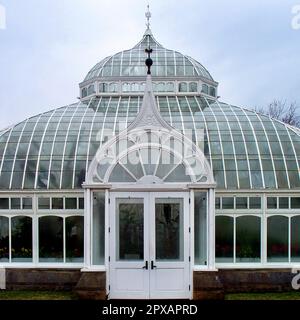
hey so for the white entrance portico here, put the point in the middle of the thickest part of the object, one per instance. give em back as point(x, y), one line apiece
point(149, 172)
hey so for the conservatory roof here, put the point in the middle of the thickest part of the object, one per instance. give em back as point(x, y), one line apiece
point(131, 63)
point(246, 150)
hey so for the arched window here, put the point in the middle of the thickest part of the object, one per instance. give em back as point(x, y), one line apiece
point(295, 239)
point(160, 87)
point(248, 240)
point(205, 88)
point(113, 87)
point(193, 87)
point(126, 87)
point(4, 239)
point(51, 239)
point(278, 239)
point(74, 239)
point(212, 91)
point(183, 87)
point(135, 87)
point(21, 239)
point(103, 87)
point(91, 89)
point(170, 87)
point(224, 239)
point(84, 92)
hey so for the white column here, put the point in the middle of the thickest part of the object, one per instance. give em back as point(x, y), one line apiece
point(211, 229)
point(87, 228)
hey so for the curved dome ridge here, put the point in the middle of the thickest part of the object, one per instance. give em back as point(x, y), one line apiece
point(131, 62)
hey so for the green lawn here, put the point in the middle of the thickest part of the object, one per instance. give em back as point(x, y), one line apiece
point(36, 295)
point(295, 295)
point(60, 295)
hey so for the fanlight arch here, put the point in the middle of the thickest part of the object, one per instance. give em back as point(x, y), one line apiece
point(149, 156)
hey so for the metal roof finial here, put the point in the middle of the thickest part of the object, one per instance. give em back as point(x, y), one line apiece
point(148, 17)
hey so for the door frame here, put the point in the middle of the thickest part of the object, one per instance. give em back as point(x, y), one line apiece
point(151, 195)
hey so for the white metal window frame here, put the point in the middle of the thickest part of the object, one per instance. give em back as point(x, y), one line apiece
point(263, 214)
point(36, 214)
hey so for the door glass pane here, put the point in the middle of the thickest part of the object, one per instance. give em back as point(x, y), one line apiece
point(130, 229)
point(169, 229)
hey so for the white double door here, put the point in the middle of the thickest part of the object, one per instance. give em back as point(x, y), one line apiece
point(149, 246)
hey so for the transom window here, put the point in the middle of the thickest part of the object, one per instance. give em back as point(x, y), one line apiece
point(238, 203)
point(16, 203)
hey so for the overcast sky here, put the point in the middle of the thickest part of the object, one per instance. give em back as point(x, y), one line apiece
point(48, 46)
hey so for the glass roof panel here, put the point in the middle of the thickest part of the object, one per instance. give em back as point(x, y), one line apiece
point(53, 150)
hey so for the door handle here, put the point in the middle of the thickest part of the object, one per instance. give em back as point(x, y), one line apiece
point(146, 265)
point(152, 265)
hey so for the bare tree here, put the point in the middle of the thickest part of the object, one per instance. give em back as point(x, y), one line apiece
point(280, 110)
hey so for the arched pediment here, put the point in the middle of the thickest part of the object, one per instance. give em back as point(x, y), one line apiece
point(150, 155)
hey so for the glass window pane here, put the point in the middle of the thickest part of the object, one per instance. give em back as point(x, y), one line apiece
point(227, 203)
point(27, 203)
point(71, 203)
point(193, 87)
point(4, 240)
point(74, 239)
point(283, 203)
point(15, 203)
point(200, 207)
point(254, 203)
point(248, 239)
point(224, 239)
point(241, 203)
point(57, 203)
point(182, 87)
point(217, 203)
point(295, 239)
point(81, 203)
point(130, 229)
point(278, 239)
point(295, 203)
point(272, 203)
point(98, 228)
point(169, 229)
point(21, 239)
point(44, 203)
point(51, 239)
point(4, 203)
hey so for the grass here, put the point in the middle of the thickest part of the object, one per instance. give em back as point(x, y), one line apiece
point(61, 295)
point(294, 295)
point(37, 295)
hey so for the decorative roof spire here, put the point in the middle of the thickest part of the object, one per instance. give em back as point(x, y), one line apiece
point(148, 17)
point(149, 61)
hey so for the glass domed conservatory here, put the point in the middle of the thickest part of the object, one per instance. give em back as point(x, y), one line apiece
point(149, 179)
